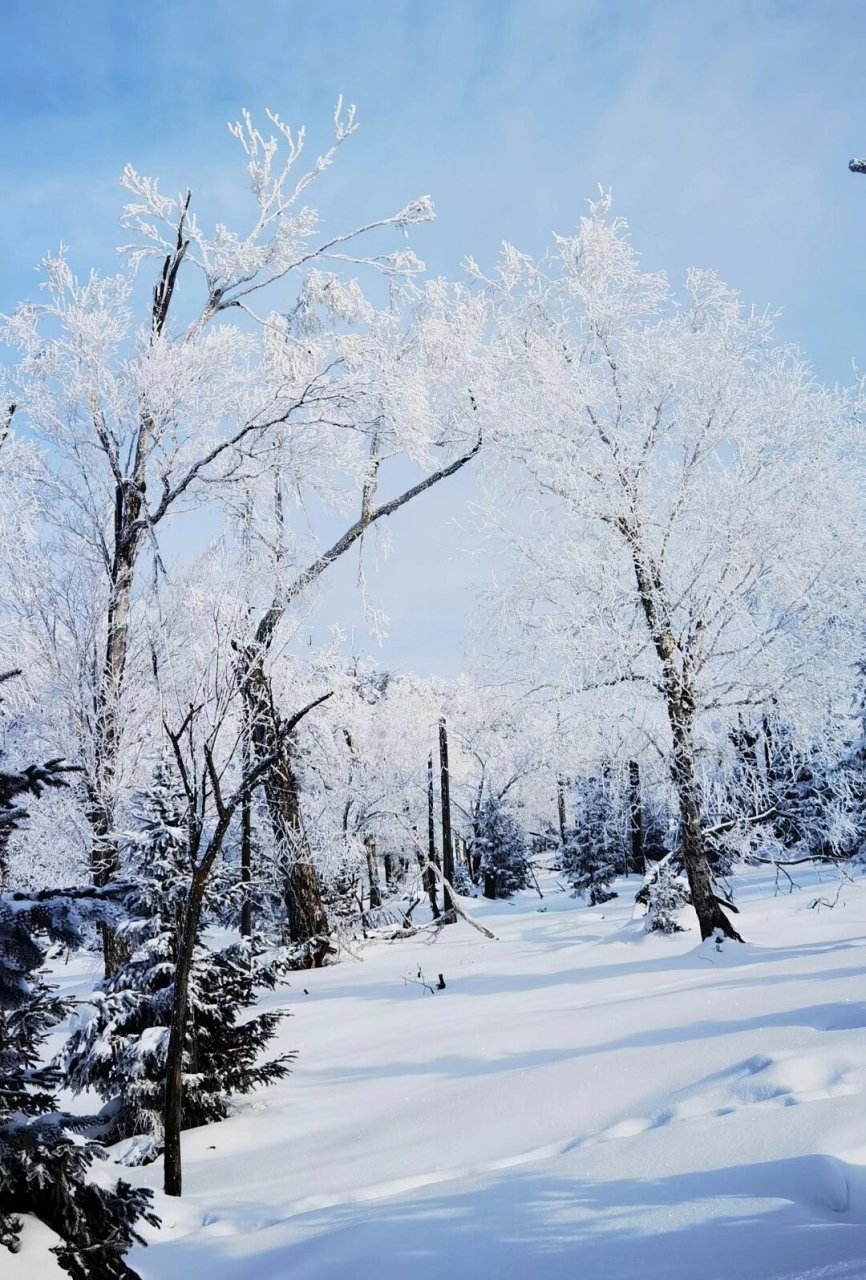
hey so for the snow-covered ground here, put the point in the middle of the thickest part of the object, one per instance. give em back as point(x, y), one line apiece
point(583, 1100)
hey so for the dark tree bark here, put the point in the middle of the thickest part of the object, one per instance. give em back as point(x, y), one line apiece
point(710, 914)
point(638, 856)
point(431, 838)
point(428, 877)
point(445, 796)
point(373, 872)
point(246, 866)
point(306, 917)
point(173, 1117)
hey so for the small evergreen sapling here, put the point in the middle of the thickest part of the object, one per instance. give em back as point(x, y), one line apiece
point(120, 1051)
point(666, 894)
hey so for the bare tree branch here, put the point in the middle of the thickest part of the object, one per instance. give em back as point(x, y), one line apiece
point(270, 620)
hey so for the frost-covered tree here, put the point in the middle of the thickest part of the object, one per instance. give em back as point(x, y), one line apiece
point(258, 375)
point(592, 853)
point(660, 452)
point(665, 895)
point(784, 798)
point(501, 845)
point(45, 1165)
point(120, 1049)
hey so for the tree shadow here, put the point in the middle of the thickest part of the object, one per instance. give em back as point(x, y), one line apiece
point(801, 1217)
point(686, 963)
point(840, 1016)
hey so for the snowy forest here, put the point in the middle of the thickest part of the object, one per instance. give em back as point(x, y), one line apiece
point(315, 965)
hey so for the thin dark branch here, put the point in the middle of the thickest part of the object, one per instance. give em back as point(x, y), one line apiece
point(294, 720)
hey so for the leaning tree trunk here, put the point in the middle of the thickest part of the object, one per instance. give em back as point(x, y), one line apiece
point(302, 891)
point(307, 918)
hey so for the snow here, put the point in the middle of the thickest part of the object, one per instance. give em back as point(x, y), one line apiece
point(583, 1099)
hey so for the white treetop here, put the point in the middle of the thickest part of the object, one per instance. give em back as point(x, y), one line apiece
point(669, 470)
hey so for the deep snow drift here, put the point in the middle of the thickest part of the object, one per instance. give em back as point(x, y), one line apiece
point(583, 1100)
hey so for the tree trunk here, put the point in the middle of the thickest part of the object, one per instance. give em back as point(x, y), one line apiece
point(388, 865)
point(428, 880)
point(447, 846)
point(372, 872)
point(246, 864)
point(431, 838)
point(560, 807)
point(173, 1114)
point(104, 856)
point(638, 855)
point(679, 694)
point(307, 918)
point(710, 914)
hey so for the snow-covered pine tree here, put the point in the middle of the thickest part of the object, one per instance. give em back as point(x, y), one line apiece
point(504, 852)
point(44, 1162)
point(120, 1050)
point(666, 894)
point(589, 852)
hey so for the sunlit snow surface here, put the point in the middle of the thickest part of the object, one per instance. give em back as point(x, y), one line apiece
point(582, 1101)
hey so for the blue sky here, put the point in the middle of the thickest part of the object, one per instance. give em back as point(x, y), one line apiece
point(724, 128)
